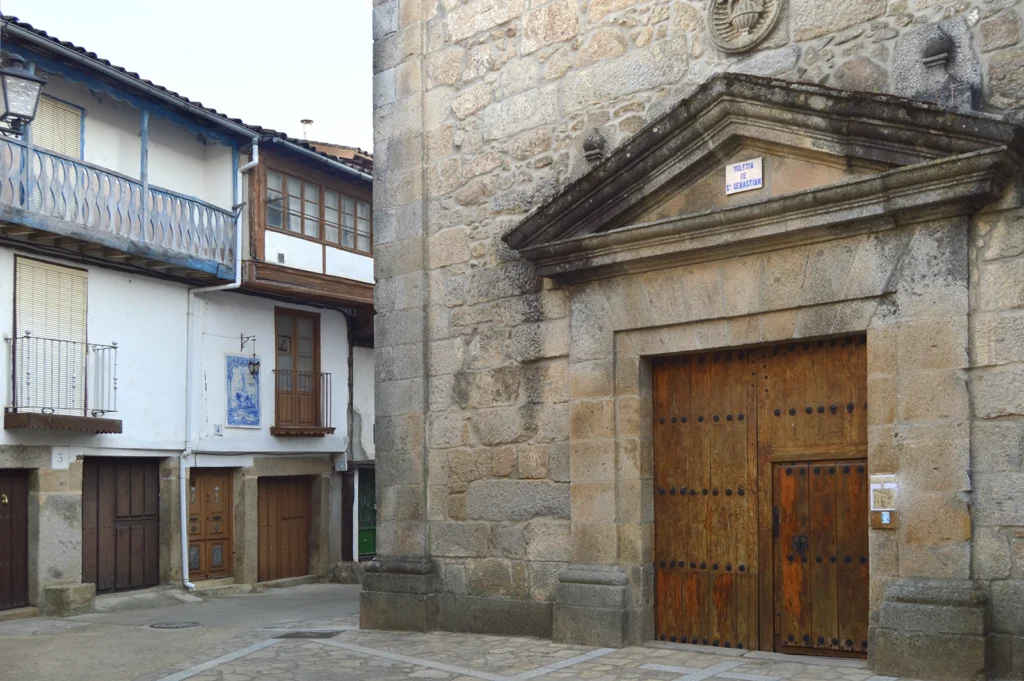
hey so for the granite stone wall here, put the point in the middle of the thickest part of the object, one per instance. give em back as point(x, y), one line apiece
point(500, 463)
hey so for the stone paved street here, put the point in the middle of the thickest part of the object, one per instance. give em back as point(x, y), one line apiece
point(261, 638)
point(354, 655)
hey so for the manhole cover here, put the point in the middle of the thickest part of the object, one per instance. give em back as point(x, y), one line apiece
point(174, 625)
point(309, 634)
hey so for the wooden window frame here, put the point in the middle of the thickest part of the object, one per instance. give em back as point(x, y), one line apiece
point(323, 187)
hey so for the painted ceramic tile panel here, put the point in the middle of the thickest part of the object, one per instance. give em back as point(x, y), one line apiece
point(243, 393)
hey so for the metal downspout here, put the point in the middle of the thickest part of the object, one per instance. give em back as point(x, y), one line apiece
point(190, 353)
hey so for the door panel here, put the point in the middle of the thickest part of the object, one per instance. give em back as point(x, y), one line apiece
point(761, 496)
point(120, 523)
point(852, 546)
point(209, 517)
point(705, 510)
point(283, 510)
point(13, 539)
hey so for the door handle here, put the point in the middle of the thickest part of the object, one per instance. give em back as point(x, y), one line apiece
point(800, 544)
point(3, 499)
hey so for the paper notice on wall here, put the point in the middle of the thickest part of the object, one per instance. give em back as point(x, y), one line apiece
point(883, 492)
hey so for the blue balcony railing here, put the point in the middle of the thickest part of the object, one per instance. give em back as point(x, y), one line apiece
point(55, 193)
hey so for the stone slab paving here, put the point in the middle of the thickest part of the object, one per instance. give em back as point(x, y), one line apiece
point(350, 654)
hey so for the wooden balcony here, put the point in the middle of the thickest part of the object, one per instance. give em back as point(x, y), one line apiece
point(51, 200)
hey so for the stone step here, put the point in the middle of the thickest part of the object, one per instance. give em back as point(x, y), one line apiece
point(225, 586)
point(144, 598)
point(288, 581)
point(18, 613)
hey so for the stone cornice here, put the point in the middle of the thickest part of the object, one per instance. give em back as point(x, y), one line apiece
point(877, 131)
point(928, 191)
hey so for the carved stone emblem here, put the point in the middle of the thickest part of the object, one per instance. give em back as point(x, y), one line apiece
point(740, 25)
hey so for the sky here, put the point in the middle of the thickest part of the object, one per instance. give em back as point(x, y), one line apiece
point(268, 63)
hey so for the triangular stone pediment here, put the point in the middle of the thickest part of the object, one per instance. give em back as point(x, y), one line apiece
point(783, 170)
point(829, 158)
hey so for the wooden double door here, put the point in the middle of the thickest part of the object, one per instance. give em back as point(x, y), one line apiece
point(13, 539)
point(284, 514)
point(120, 523)
point(761, 497)
point(209, 523)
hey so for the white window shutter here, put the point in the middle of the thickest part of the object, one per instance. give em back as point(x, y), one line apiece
point(50, 313)
point(58, 128)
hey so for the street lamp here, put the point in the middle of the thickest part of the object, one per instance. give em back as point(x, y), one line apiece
point(21, 90)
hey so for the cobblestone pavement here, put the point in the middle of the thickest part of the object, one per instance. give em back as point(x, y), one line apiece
point(337, 650)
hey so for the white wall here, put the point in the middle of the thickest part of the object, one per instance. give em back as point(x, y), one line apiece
point(298, 253)
point(146, 317)
point(112, 128)
point(224, 317)
point(349, 265)
point(179, 160)
point(362, 404)
point(307, 255)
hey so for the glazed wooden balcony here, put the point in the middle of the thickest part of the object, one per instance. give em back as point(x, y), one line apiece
point(57, 201)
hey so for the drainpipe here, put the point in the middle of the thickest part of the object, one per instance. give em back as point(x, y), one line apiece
point(350, 414)
point(189, 355)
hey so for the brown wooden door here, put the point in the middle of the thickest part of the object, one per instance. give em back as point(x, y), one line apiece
point(728, 425)
point(821, 549)
point(120, 523)
point(209, 523)
point(13, 539)
point(284, 507)
point(297, 399)
point(705, 494)
point(812, 436)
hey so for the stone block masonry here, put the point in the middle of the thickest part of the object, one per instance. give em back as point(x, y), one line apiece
point(514, 450)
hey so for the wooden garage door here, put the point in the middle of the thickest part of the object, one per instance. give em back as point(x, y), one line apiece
point(13, 539)
point(284, 507)
point(727, 425)
point(120, 523)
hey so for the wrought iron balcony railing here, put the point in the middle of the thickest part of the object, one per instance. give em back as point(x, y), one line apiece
point(60, 377)
point(119, 212)
point(302, 403)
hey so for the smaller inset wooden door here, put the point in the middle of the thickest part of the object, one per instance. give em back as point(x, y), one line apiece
point(13, 539)
point(209, 523)
point(284, 510)
point(821, 556)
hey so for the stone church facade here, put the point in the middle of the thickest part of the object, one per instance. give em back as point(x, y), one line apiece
point(619, 400)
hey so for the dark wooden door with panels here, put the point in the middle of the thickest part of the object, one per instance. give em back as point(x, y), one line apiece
point(761, 498)
point(209, 523)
